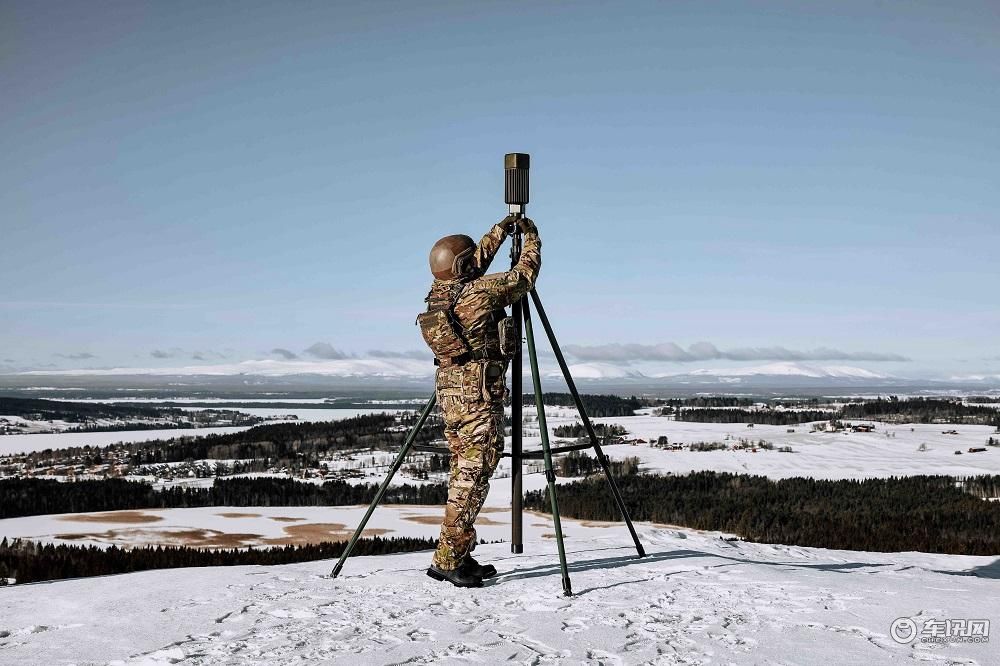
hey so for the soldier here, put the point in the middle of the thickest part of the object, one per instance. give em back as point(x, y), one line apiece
point(473, 340)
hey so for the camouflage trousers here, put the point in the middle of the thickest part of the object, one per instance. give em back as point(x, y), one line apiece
point(474, 428)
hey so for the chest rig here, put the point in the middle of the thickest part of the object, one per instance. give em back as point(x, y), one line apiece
point(472, 360)
point(488, 338)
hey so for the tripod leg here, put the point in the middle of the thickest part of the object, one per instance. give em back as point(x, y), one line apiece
point(407, 443)
point(601, 457)
point(516, 421)
point(517, 391)
point(550, 475)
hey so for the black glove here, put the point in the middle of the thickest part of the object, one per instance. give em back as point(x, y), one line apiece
point(527, 226)
point(509, 223)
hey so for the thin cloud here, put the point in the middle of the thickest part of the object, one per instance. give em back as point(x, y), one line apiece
point(284, 353)
point(706, 351)
point(79, 356)
point(414, 354)
point(207, 355)
point(326, 351)
point(160, 353)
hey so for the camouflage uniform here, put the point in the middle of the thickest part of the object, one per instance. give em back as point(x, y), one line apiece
point(471, 394)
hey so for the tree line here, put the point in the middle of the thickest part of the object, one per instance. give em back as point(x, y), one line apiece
point(33, 497)
point(596, 405)
point(30, 562)
point(76, 412)
point(892, 409)
point(578, 463)
point(292, 444)
point(576, 430)
point(921, 410)
point(936, 514)
point(762, 416)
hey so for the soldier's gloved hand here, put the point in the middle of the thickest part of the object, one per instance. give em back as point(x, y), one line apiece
point(527, 226)
point(509, 223)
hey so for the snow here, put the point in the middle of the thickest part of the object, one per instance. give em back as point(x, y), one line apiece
point(40, 442)
point(694, 599)
point(345, 367)
point(788, 368)
point(596, 370)
point(819, 455)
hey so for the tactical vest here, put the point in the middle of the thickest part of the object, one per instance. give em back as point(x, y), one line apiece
point(487, 338)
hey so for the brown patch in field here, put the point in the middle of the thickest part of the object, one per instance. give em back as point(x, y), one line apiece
point(494, 509)
point(487, 521)
point(239, 515)
point(599, 523)
point(436, 520)
point(286, 519)
point(299, 535)
point(113, 517)
point(194, 538)
point(425, 520)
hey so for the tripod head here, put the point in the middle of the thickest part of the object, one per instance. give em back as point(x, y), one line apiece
point(515, 172)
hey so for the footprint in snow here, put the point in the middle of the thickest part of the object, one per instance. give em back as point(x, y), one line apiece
point(574, 626)
point(420, 635)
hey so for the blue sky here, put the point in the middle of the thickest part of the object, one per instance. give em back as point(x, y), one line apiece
point(188, 182)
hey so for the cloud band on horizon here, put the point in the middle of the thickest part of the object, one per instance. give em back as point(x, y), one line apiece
point(706, 351)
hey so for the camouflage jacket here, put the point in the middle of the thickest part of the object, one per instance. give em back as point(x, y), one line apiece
point(480, 301)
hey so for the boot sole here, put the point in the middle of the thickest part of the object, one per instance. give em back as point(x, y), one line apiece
point(436, 576)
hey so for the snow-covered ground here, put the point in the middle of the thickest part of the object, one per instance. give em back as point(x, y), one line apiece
point(820, 455)
point(892, 450)
point(695, 599)
point(40, 442)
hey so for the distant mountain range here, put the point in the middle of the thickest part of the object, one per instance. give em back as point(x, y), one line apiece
point(412, 373)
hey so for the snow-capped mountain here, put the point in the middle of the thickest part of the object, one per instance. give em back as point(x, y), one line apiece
point(791, 369)
point(409, 371)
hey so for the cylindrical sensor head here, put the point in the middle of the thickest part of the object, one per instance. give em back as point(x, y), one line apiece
point(515, 169)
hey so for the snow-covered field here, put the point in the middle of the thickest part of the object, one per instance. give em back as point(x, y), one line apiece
point(695, 599)
point(820, 455)
point(892, 450)
point(27, 443)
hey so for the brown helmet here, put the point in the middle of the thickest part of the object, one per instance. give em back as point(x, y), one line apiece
point(450, 255)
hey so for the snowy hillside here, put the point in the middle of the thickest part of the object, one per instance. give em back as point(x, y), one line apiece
point(695, 599)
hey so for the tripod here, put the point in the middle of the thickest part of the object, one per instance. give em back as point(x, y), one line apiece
point(516, 195)
point(522, 315)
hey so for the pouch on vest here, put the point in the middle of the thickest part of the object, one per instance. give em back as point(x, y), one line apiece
point(494, 384)
point(508, 337)
point(472, 382)
point(440, 335)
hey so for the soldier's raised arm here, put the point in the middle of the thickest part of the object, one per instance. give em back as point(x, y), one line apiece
point(503, 289)
point(489, 244)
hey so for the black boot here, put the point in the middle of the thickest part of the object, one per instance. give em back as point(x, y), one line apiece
point(483, 570)
point(463, 576)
